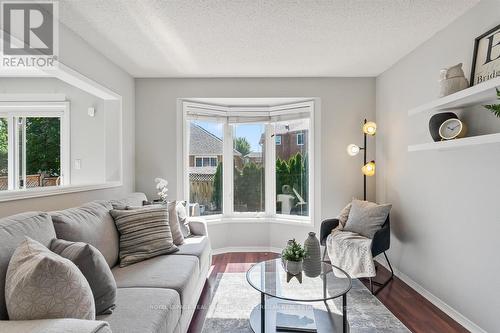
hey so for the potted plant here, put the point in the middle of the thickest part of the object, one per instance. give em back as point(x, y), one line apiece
point(494, 108)
point(293, 256)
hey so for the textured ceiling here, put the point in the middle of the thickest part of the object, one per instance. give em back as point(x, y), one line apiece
point(257, 38)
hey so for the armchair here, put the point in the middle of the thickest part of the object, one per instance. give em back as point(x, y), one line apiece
point(381, 242)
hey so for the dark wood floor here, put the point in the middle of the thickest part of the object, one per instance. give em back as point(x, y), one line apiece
point(412, 309)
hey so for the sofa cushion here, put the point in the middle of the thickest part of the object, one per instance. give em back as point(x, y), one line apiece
point(43, 285)
point(13, 230)
point(95, 269)
point(90, 223)
point(144, 310)
point(198, 246)
point(180, 273)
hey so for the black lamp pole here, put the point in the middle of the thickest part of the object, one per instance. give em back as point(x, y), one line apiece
point(364, 163)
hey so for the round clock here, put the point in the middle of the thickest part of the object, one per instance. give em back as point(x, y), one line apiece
point(452, 129)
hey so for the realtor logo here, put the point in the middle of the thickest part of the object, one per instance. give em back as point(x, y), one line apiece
point(29, 33)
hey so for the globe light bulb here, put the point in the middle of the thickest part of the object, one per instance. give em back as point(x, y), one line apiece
point(353, 150)
point(369, 169)
point(370, 128)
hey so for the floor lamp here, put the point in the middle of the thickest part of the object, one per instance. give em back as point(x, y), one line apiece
point(368, 169)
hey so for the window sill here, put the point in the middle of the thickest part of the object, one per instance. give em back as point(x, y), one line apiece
point(297, 221)
point(49, 191)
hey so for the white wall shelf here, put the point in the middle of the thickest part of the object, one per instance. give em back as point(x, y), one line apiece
point(457, 143)
point(477, 94)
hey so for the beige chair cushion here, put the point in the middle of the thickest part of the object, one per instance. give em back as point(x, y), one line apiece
point(43, 285)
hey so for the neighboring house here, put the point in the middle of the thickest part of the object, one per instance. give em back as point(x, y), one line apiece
point(255, 157)
point(288, 143)
point(205, 154)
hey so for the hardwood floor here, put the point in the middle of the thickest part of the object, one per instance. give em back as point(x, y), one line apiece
point(412, 309)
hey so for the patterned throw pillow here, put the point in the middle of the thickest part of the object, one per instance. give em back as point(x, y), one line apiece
point(93, 266)
point(366, 218)
point(43, 285)
point(144, 234)
point(173, 220)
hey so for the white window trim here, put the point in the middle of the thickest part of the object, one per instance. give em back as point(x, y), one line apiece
point(15, 110)
point(300, 135)
point(205, 156)
point(276, 139)
point(274, 114)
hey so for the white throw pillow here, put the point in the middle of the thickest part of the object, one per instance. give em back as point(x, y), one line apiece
point(366, 218)
point(43, 285)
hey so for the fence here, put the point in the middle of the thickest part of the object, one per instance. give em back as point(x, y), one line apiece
point(38, 180)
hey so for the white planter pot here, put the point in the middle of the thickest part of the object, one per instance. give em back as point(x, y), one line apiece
point(293, 267)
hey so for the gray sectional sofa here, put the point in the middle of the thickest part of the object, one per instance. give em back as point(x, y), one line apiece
point(158, 295)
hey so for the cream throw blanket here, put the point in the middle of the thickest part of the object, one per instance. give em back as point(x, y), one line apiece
point(351, 252)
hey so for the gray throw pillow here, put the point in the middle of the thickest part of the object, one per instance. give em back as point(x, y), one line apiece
point(344, 215)
point(183, 218)
point(366, 218)
point(93, 265)
point(144, 233)
point(43, 285)
point(173, 220)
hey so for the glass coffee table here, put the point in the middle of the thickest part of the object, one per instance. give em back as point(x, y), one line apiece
point(280, 288)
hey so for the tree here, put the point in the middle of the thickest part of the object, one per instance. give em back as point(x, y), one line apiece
point(4, 150)
point(242, 145)
point(217, 193)
point(43, 148)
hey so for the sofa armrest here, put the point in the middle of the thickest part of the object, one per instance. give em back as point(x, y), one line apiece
point(326, 228)
point(198, 226)
point(54, 326)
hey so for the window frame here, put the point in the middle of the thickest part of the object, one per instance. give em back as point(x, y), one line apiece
point(300, 135)
point(222, 114)
point(12, 111)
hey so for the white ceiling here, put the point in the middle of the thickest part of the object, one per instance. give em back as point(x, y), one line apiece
point(257, 38)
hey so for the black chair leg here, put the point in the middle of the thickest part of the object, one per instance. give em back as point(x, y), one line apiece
point(382, 285)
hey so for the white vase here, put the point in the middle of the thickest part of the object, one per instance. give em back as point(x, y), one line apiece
point(293, 267)
point(452, 79)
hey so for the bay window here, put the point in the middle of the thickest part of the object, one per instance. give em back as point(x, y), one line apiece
point(269, 150)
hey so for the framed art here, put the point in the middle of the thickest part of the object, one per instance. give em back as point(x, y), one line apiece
point(486, 58)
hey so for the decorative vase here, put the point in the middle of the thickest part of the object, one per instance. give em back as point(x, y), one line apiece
point(312, 261)
point(436, 121)
point(293, 267)
point(452, 79)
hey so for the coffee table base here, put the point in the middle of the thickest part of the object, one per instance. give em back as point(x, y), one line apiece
point(326, 322)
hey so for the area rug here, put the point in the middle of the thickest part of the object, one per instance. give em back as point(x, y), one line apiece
point(233, 300)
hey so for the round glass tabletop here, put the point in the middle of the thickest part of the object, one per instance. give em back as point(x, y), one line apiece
point(269, 277)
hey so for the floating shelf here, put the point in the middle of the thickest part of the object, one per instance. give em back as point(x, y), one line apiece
point(474, 95)
point(457, 143)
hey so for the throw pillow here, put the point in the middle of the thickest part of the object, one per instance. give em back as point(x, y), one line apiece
point(366, 218)
point(344, 215)
point(183, 218)
point(144, 233)
point(173, 221)
point(93, 265)
point(43, 285)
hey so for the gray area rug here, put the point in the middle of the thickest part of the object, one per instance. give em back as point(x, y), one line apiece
point(234, 299)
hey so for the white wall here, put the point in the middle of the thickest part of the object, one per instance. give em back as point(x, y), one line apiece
point(345, 102)
point(88, 148)
point(445, 217)
point(77, 54)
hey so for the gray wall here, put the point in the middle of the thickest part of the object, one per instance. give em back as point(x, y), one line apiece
point(88, 148)
point(345, 102)
point(445, 217)
point(77, 54)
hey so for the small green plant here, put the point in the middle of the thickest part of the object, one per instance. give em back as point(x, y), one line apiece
point(494, 108)
point(294, 252)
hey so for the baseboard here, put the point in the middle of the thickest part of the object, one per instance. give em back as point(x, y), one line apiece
point(246, 249)
point(454, 314)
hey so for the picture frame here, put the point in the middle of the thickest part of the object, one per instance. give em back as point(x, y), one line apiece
point(486, 57)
